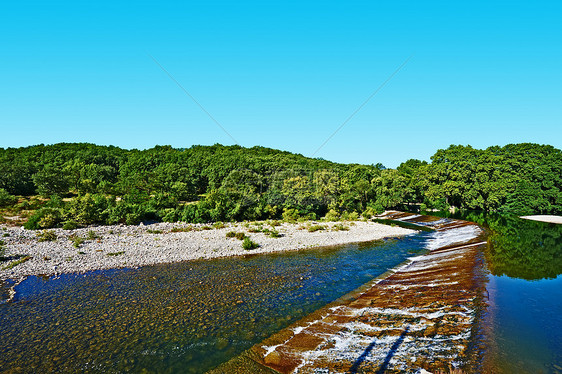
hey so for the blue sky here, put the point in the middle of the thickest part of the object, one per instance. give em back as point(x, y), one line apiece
point(284, 75)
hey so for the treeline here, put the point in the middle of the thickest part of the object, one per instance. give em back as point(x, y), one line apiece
point(86, 184)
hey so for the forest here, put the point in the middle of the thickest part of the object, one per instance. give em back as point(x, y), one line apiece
point(72, 185)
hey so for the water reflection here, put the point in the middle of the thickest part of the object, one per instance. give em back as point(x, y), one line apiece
point(524, 318)
point(520, 248)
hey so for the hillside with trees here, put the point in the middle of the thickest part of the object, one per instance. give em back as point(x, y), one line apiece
point(71, 185)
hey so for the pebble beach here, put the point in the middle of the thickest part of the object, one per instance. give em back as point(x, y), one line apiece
point(119, 246)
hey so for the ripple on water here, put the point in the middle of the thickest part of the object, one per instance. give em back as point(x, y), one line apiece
point(183, 317)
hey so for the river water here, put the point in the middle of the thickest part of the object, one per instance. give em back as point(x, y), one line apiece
point(179, 318)
point(524, 317)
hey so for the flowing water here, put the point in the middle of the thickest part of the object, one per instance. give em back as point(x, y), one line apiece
point(179, 318)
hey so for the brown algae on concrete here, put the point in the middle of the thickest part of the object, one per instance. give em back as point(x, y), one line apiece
point(419, 316)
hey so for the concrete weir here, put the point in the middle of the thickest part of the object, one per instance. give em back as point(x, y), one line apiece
point(419, 317)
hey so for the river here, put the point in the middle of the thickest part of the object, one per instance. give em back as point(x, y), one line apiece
point(192, 316)
point(179, 318)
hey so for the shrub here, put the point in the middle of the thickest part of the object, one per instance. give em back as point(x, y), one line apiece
point(290, 215)
point(92, 235)
point(6, 199)
point(248, 244)
point(314, 228)
point(154, 231)
point(230, 234)
point(369, 212)
point(46, 236)
point(219, 225)
point(76, 240)
point(70, 225)
point(44, 218)
point(182, 229)
point(274, 234)
point(332, 215)
point(340, 227)
point(353, 216)
point(240, 236)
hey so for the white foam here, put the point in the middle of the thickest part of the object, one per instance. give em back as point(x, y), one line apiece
point(440, 239)
point(407, 218)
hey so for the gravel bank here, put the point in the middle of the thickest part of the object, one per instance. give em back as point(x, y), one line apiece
point(131, 246)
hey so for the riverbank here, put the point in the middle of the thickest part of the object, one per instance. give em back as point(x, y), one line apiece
point(59, 251)
point(548, 219)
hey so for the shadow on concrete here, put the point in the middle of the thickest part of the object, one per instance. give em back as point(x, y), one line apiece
point(354, 369)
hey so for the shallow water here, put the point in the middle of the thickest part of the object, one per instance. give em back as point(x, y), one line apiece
point(179, 318)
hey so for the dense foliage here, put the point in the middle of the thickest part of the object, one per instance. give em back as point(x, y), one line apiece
point(519, 248)
point(84, 184)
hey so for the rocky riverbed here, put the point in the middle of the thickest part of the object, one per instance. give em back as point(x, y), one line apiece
point(57, 251)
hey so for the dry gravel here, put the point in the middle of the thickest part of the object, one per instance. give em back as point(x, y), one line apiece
point(131, 246)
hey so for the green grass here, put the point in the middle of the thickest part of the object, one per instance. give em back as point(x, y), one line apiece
point(46, 236)
point(76, 240)
point(340, 227)
point(116, 253)
point(13, 264)
point(314, 228)
point(274, 234)
point(154, 231)
point(92, 235)
point(183, 229)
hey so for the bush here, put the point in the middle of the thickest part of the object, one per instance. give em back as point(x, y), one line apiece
point(76, 240)
point(274, 234)
point(353, 216)
point(314, 228)
point(70, 225)
point(240, 236)
point(230, 234)
point(332, 215)
point(182, 229)
point(290, 215)
point(92, 235)
point(6, 199)
point(248, 244)
point(44, 218)
point(340, 227)
point(46, 236)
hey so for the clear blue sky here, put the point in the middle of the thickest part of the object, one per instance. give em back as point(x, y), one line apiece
point(284, 74)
